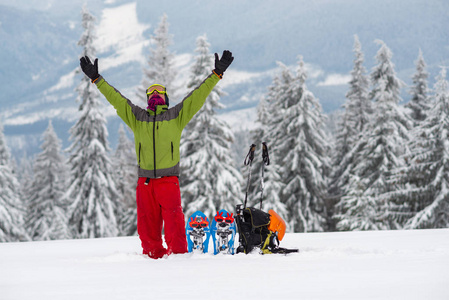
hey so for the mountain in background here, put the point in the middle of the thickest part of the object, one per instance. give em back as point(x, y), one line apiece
point(40, 55)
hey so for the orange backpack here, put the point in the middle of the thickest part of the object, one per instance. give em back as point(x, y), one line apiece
point(277, 224)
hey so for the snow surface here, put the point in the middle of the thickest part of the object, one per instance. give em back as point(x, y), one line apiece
point(347, 265)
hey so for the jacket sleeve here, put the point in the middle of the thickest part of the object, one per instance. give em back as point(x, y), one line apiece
point(193, 102)
point(126, 110)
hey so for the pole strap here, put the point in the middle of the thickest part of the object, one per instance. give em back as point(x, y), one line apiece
point(265, 156)
point(266, 162)
point(250, 156)
point(248, 162)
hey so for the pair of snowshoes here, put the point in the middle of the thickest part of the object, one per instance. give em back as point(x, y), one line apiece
point(199, 230)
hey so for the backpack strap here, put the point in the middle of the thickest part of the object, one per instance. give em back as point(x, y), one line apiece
point(266, 245)
point(271, 246)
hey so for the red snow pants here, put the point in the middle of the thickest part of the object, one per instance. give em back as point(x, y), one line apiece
point(159, 201)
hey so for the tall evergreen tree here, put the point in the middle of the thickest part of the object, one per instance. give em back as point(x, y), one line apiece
point(12, 210)
point(47, 218)
point(268, 112)
point(209, 180)
point(358, 107)
point(160, 62)
point(92, 194)
point(356, 116)
point(406, 200)
point(125, 168)
point(428, 199)
point(380, 147)
point(25, 172)
point(419, 102)
point(126, 172)
point(257, 136)
point(272, 191)
point(383, 76)
point(303, 153)
point(25, 168)
point(358, 207)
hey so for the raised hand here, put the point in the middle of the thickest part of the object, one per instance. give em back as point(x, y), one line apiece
point(91, 70)
point(221, 64)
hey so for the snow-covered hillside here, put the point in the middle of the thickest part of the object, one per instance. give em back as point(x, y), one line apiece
point(349, 265)
point(40, 42)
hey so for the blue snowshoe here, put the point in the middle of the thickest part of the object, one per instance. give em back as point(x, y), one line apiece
point(198, 232)
point(223, 232)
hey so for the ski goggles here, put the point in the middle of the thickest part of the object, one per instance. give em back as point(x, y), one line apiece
point(228, 219)
point(199, 223)
point(160, 89)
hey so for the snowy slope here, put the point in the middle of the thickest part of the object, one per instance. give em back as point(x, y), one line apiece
point(350, 265)
point(40, 41)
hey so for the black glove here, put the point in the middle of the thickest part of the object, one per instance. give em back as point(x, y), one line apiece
point(222, 64)
point(91, 70)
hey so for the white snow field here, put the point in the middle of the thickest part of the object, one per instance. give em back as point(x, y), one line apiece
point(347, 265)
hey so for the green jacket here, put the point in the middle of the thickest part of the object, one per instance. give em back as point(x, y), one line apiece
point(157, 135)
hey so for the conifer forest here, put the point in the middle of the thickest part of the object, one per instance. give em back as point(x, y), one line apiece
point(383, 166)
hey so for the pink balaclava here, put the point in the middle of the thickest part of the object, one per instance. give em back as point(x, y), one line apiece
point(155, 100)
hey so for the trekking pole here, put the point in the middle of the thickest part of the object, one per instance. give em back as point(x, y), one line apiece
point(266, 162)
point(248, 162)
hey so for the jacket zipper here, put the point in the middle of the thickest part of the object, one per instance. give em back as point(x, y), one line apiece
point(172, 151)
point(154, 144)
point(140, 147)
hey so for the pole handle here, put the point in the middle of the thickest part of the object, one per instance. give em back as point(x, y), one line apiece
point(248, 162)
point(265, 156)
point(250, 156)
point(266, 162)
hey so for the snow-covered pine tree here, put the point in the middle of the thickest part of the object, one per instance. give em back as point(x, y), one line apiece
point(267, 112)
point(277, 105)
point(92, 193)
point(428, 200)
point(12, 210)
point(209, 180)
point(272, 192)
point(358, 108)
point(125, 168)
point(358, 208)
point(380, 147)
point(47, 217)
point(126, 178)
point(25, 168)
point(302, 150)
point(25, 172)
point(419, 103)
point(406, 200)
point(160, 62)
point(257, 136)
point(355, 118)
